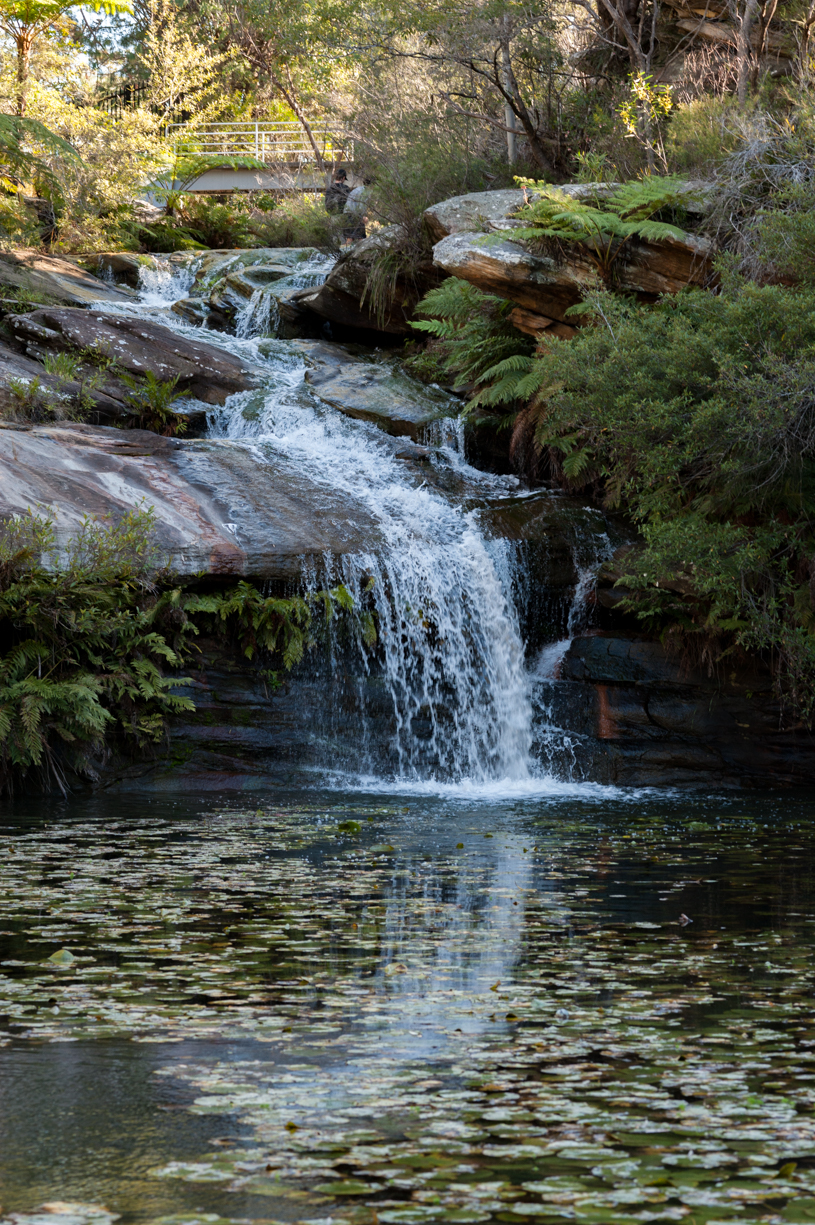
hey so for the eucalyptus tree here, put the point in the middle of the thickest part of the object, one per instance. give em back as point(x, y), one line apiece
point(25, 22)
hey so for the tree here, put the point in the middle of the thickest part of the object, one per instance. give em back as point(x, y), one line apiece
point(26, 21)
point(293, 46)
point(511, 73)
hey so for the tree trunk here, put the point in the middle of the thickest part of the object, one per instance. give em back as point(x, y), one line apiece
point(744, 48)
point(289, 96)
point(23, 44)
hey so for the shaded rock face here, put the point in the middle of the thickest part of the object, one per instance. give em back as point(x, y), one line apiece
point(60, 279)
point(218, 511)
point(375, 393)
point(345, 298)
point(637, 717)
point(136, 346)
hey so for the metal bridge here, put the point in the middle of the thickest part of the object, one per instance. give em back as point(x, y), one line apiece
point(291, 164)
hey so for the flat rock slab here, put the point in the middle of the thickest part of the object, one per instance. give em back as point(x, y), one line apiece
point(60, 279)
point(138, 346)
point(219, 508)
point(466, 213)
point(373, 393)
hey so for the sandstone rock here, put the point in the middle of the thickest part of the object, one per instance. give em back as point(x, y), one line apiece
point(639, 717)
point(379, 394)
point(465, 214)
point(548, 286)
point(539, 326)
point(484, 210)
point(59, 279)
point(218, 511)
point(535, 282)
point(137, 346)
point(345, 297)
point(27, 389)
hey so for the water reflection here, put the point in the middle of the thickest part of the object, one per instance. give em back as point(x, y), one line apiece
point(354, 987)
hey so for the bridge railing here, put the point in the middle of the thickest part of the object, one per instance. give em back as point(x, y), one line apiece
point(268, 140)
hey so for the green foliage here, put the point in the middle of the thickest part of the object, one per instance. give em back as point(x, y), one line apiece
point(150, 401)
point(785, 233)
point(701, 134)
point(476, 343)
point(16, 159)
point(88, 631)
point(299, 220)
point(698, 417)
point(602, 227)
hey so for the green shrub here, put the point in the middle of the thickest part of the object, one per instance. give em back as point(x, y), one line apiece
point(701, 134)
point(697, 416)
point(300, 220)
point(92, 637)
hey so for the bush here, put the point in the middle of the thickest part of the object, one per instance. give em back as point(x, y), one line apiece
point(697, 416)
point(88, 633)
point(701, 134)
point(300, 220)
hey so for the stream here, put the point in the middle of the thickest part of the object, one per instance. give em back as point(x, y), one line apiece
point(455, 984)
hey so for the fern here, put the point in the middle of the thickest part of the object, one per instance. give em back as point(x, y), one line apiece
point(480, 347)
point(602, 227)
point(89, 634)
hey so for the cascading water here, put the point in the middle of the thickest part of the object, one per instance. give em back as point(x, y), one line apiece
point(448, 669)
point(162, 282)
point(260, 316)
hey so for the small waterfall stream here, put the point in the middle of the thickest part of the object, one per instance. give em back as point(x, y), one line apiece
point(450, 653)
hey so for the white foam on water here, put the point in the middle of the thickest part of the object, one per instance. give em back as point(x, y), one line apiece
point(161, 283)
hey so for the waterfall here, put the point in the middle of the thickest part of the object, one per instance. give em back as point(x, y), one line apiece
point(450, 648)
point(260, 315)
point(163, 282)
point(447, 679)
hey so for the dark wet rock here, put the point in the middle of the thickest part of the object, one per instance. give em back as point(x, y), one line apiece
point(122, 267)
point(217, 510)
point(60, 280)
point(639, 716)
point(136, 346)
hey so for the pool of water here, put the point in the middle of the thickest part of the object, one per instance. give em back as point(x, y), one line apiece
point(333, 1006)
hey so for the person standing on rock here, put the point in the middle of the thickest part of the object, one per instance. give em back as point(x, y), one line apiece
point(337, 193)
point(355, 209)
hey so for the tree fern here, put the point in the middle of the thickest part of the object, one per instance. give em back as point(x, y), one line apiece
point(476, 338)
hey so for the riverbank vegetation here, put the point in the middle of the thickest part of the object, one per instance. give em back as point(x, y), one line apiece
point(695, 415)
point(94, 637)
